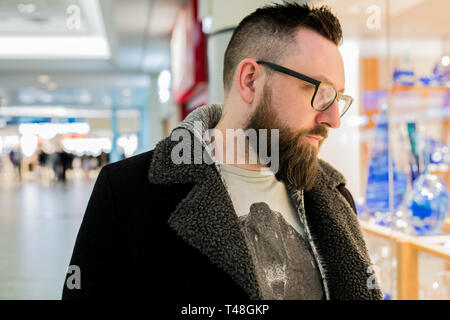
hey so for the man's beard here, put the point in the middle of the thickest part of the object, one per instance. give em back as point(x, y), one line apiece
point(298, 163)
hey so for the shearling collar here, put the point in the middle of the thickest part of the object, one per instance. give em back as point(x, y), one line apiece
point(209, 116)
point(206, 220)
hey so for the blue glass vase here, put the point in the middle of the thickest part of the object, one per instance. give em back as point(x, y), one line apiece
point(427, 204)
point(377, 190)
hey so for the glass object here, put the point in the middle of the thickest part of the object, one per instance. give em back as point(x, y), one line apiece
point(377, 190)
point(427, 204)
point(403, 74)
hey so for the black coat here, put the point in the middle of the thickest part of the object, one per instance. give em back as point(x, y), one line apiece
point(126, 249)
point(154, 228)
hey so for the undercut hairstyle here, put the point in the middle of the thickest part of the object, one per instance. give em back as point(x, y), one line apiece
point(270, 31)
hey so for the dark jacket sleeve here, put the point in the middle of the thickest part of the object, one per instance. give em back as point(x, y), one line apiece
point(92, 254)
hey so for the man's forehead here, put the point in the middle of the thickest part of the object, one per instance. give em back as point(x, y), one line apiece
point(333, 75)
point(317, 57)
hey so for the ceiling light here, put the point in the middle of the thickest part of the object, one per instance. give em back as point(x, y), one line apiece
point(28, 144)
point(26, 8)
point(54, 47)
point(50, 130)
point(65, 112)
point(164, 79)
point(164, 96)
point(128, 144)
point(92, 146)
point(207, 24)
point(66, 46)
point(43, 78)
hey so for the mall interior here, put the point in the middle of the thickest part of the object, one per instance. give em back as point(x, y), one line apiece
point(84, 83)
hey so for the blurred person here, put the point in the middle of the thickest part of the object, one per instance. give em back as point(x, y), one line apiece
point(103, 159)
point(158, 227)
point(98, 159)
point(94, 163)
point(85, 165)
point(59, 166)
point(16, 159)
point(69, 162)
point(42, 160)
point(64, 163)
point(53, 165)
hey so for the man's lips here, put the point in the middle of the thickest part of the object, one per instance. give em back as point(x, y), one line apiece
point(314, 139)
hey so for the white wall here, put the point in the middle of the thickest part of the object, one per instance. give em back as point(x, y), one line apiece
point(342, 148)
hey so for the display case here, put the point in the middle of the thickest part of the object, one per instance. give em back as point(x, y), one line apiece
point(410, 267)
point(393, 145)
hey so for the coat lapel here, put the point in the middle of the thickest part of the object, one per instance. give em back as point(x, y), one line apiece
point(205, 218)
point(338, 237)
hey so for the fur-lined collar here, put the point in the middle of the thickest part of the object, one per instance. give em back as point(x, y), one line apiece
point(209, 116)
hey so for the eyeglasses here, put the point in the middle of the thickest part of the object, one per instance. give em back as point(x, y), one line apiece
point(324, 93)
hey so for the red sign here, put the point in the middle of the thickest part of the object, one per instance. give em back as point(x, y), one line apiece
point(188, 54)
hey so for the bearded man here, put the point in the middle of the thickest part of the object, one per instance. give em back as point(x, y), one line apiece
point(226, 229)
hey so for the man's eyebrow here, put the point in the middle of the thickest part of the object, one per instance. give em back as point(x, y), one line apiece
point(325, 79)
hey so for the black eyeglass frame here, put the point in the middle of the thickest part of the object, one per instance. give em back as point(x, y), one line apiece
point(303, 77)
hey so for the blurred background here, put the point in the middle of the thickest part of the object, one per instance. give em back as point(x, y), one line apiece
point(87, 82)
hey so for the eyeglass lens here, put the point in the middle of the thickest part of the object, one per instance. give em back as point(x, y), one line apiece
point(326, 94)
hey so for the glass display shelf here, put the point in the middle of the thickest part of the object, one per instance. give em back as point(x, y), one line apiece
point(410, 267)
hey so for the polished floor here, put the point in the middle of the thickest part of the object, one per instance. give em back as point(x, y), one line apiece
point(38, 227)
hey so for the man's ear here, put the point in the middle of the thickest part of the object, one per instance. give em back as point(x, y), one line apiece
point(247, 73)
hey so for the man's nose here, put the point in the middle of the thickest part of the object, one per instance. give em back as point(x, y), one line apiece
point(330, 117)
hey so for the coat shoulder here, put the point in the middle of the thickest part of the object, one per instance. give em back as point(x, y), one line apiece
point(135, 163)
point(127, 180)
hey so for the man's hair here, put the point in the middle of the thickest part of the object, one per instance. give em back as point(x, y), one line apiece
point(267, 33)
